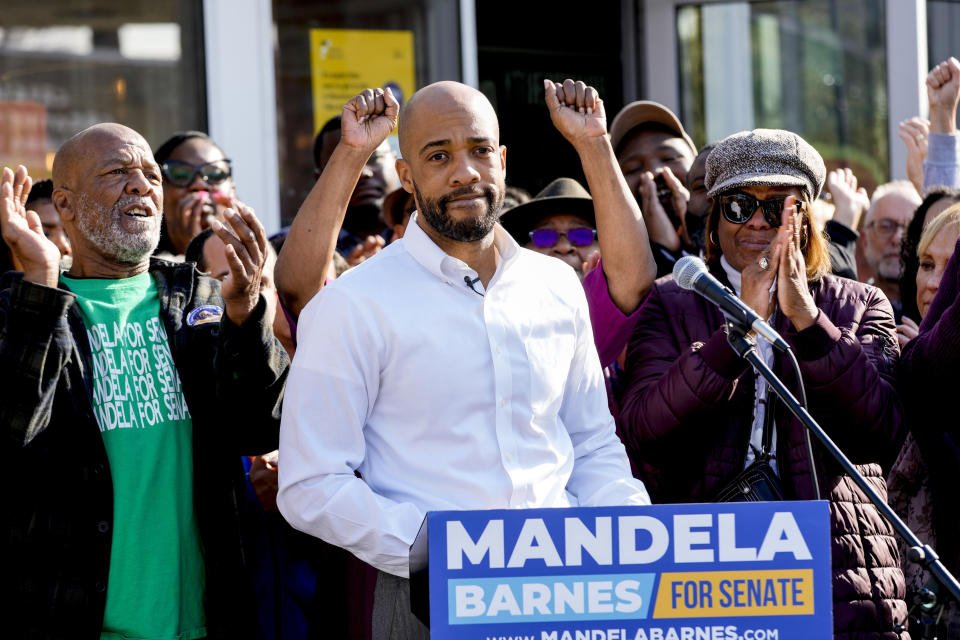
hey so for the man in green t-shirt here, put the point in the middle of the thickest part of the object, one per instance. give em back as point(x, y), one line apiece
point(128, 389)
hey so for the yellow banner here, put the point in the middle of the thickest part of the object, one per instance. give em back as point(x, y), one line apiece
point(705, 594)
point(344, 62)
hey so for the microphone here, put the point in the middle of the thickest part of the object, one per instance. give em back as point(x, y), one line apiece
point(691, 273)
point(467, 281)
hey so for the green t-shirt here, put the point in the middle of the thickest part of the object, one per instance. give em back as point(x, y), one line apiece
point(156, 582)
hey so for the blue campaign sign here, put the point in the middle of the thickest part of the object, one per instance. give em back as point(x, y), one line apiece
point(735, 571)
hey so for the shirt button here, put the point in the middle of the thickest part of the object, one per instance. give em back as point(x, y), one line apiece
point(499, 349)
point(503, 402)
point(99, 586)
point(509, 457)
point(103, 526)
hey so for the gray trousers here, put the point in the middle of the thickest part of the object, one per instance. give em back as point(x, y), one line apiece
point(392, 619)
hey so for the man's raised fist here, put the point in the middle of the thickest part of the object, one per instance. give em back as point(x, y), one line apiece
point(368, 118)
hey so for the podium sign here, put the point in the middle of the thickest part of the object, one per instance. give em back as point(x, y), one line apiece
point(745, 571)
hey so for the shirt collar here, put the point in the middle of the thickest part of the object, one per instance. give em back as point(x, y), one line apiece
point(732, 274)
point(435, 260)
point(736, 280)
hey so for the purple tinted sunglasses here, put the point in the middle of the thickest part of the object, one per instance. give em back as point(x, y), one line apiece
point(577, 236)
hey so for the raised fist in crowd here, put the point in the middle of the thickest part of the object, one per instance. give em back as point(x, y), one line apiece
point(368, 119)
point(851, 201)
point(576, 110)
point(943, 93)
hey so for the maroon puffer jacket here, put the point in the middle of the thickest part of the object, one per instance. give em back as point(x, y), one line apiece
point(688, 406)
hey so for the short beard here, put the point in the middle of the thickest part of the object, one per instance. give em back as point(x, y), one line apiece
point(469, 230)
point(101, 227)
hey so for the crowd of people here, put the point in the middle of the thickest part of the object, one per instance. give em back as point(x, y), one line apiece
point(220, 434)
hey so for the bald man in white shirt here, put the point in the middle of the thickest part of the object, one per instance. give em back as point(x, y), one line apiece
point(454, 369)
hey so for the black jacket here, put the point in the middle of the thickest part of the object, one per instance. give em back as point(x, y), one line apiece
point(59, 511)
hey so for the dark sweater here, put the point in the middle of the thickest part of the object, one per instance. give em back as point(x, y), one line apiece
point(928, 377)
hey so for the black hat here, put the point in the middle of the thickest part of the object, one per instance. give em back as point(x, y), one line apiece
point(563, 196)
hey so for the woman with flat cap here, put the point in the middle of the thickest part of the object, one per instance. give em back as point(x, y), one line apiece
point(696, 416)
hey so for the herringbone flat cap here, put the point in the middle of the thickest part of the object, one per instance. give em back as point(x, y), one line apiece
point(765, 157)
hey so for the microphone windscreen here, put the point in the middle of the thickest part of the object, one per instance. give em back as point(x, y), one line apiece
point(686, 270)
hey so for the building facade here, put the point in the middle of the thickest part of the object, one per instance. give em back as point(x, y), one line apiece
point(842, 73)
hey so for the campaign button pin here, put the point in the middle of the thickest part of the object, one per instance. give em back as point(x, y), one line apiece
point(204, 314)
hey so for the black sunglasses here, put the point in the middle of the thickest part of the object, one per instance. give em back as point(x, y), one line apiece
point(577, 236)
point(182, 174)
point(740, 207)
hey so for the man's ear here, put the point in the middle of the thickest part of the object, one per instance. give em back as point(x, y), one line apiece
point(503, 157)
point(62, 201)
point(405, 174)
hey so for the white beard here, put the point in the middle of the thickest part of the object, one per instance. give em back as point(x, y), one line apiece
point(101, 226)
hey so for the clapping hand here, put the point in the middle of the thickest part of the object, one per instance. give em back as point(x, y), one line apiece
point(369, 247)
point(23, 232)
point(793, 292)
point(246, 252)
point(757, 278)
point(943, 93)
point(907, 330)
point(666, 232)
point(576, 110)
point(915, 134)
point(368, 118)
point(850, 201)
point(591, 262)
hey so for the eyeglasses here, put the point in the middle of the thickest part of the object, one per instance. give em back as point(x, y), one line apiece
point(182, 174)
point(740, 207)
point(885, 227)
point(577, 236)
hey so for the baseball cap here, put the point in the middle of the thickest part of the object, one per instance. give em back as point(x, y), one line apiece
point(644, 112)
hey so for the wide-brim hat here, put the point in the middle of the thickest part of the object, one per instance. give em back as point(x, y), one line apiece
point(767, 157)
point(647, 112)
point(563, 196)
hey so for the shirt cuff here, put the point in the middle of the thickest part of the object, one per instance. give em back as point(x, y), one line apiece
point(941, 168)
point(815, 341)
point(720, 356)
point(943, 148)
point(251, 335)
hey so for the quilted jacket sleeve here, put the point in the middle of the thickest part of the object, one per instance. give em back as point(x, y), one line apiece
point(669, 381)
point(849, 374)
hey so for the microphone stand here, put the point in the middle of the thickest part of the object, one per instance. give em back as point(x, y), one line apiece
point(920, 553)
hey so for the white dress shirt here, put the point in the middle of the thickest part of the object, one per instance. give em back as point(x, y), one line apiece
point(765, 351)
point(444, 399)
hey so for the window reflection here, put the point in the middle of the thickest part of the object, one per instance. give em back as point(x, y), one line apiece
point(435, 25)
point(816, 67)
point(943, 31)
point(68, 64)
